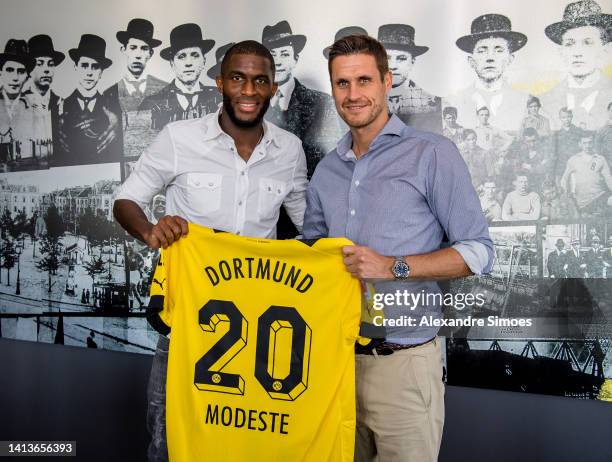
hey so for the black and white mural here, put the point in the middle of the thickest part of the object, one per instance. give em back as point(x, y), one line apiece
point(523, 89)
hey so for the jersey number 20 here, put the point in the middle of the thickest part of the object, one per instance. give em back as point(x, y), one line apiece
point(274, 325)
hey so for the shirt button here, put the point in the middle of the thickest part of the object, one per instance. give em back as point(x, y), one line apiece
point(243, 173)
point(356, 182)
point(353, 212)
point(240, 203)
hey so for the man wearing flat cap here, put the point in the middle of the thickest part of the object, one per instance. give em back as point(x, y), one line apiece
point(413, 105)
point(490, 47)
point(89, 129)
point(15, 112)
point(582, 36)
point(185, 97)
point(41, 98)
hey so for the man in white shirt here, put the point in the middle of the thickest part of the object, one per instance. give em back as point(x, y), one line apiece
point(583, 37)
point(491, 46)
point(230, 171)
point(588, 180)
point(521, 204)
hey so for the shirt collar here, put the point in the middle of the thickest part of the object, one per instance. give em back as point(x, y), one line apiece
point(183, 89)
point(393, 127)
point(588, 82)
point(214, 130)
point(129, 77)
point(287, 88)
point(497, 86)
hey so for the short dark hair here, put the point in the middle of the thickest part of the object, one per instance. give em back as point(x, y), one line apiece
point(567, 110)
point(533, 99)
point(360, 44)
point(247, 47)
point(467, 132)
point(449, 110)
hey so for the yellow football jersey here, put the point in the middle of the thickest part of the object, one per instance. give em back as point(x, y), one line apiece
point(261, 362)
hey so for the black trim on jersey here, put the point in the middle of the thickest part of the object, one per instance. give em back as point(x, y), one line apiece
point(308, 242)
point(156, 305)
point(218, 231)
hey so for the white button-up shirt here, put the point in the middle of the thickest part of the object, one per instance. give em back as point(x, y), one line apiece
point(208, 183)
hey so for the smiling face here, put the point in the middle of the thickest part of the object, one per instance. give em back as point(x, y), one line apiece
point(247, 85)
point(400, 65)
point(188, 64)
point(359, 91)
point(583, 50)
point(284, 62)
point(88, 72)
point(12, 77)
point(490, 58)
point(43, 72)
point(137, 54)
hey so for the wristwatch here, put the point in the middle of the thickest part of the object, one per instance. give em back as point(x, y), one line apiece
point(400, 269)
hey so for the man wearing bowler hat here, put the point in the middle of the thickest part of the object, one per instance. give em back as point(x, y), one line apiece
point(582, 36)
point(305, 112)
point(490, 47)
point(89, 131)
point(309, 114)
point(39, 94)
point(15, 111)
point(137, 44)
point(185, 97)
point(413, 105)
point(215, 70)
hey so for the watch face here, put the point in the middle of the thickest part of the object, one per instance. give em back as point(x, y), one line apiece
point(401, 270)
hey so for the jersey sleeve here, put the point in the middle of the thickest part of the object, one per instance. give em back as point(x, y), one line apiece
point(159, 311)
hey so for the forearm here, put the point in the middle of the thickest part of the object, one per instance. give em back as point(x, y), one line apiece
point(131, 218)
point(442, 264)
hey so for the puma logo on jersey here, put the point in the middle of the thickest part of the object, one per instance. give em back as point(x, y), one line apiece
point(161, 284)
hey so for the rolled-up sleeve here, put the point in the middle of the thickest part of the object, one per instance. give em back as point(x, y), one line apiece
point(455, 203)
point(155, 168)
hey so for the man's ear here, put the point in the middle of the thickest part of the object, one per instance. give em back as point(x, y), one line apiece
point(471, 62)
point(219, 83)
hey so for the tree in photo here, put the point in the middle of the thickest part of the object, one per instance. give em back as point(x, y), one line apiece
point(9, 257)
point(6, 230)
point(54, 222)
point(94, 268)
point(50, 248)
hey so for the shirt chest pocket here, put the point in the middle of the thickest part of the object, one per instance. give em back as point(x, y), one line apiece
point(204, 191)
point(271, 194)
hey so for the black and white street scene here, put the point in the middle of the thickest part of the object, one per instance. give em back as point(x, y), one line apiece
point(63, 253)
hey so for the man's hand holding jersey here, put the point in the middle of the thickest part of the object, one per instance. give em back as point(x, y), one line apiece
point(169, 228)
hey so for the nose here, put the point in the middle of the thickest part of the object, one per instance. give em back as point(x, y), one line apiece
point(353, 92)
point(248, 88)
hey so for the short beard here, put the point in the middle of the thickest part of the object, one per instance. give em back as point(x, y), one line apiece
point(229, 109)
point(376, 110)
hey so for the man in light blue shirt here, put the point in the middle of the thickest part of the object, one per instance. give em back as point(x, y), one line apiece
point(405, 198)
